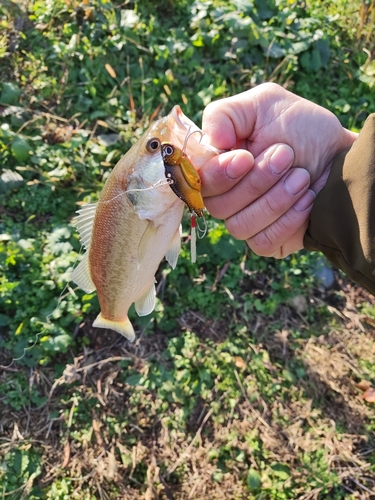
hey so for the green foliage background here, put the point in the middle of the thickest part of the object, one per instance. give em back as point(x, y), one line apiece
point(79, 83)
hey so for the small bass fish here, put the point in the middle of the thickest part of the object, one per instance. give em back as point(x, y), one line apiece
point(136, 221)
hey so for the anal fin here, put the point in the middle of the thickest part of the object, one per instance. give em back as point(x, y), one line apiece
point(146, 304)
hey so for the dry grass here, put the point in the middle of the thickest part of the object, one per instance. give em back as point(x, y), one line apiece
point(323, 413)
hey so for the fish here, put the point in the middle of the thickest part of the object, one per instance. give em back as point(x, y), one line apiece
point(137, 222)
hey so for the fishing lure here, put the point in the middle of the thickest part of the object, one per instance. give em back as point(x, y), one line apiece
point(186, 184)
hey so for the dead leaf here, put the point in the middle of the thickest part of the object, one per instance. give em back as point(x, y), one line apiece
point(111, 465)
point(369, 395)
point(363, 385)
point(110, 70)
point(240, 362)
point(96, 428)
point(102, 123)
point(155, 113)
point(66, 455)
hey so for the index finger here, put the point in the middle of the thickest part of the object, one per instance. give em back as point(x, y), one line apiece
point(233, 121)
point(224, 171)
point(228, 121)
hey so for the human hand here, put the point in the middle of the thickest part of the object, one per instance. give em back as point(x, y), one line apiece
point(263, 201)
point(254, 121)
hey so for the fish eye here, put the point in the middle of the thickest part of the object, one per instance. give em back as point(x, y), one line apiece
point(153, 145)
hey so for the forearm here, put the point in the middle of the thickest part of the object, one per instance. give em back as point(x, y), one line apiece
point(342, 224)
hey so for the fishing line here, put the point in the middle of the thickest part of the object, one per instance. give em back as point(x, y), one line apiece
point(162, 182)
point(48, 316)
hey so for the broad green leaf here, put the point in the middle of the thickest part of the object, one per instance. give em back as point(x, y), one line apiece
point(281, 471)
point(134, 380)
point(4, 320)
point(59, 343)
point(253, 480)
point(323, 47)
point(21, 149)
point(10, 93)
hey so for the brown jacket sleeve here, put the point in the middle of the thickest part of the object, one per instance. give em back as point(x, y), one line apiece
point(342, 224)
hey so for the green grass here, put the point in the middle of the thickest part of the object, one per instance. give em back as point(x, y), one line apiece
point(243, 382)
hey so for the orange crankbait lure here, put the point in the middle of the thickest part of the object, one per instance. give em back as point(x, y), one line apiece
point(186, 184)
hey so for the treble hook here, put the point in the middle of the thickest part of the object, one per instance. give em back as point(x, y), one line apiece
point(202, 232)
point(188, 135)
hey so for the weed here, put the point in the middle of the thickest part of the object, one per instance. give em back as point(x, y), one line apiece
point(245, 380)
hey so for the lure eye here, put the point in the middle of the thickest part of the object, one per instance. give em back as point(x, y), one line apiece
point(153, 145)
point(168, 150)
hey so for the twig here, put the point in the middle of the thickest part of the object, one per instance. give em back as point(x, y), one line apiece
point(257, 414)
point(361, 485)
point(187, 450)
point(167, 489)
point(88, 367)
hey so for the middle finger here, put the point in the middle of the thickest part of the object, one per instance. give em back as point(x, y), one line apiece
point(269, 167)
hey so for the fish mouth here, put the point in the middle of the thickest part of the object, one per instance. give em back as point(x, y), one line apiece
point(183, 123)
point(176, 113)
point(196, 144)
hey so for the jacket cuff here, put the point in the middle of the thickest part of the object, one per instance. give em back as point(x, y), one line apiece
point(342, 223)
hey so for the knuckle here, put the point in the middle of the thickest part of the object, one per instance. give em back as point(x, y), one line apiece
point(271, 88)
point(215, 208)
point(211, 109)
point(268, 242)
point(262, 244)
point(257, 187)
point(269, 205)
point(240, 225)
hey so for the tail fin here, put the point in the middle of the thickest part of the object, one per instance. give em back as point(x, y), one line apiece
point(123, 327)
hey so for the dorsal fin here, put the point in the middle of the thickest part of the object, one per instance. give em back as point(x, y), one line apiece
point(84, 222)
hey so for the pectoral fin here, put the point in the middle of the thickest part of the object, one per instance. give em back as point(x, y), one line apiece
point(174, 249)
point(81, 275)
point(147, 241)
point(146, 304)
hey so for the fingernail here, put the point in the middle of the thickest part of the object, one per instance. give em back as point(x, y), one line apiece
point(296, 180)
point(281, 159)
point(305, 201)
point(239, 165)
